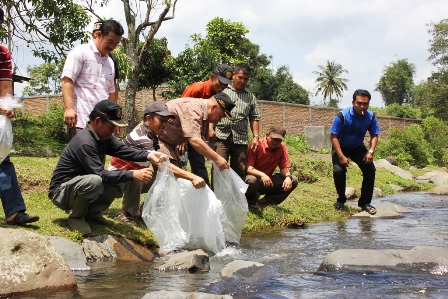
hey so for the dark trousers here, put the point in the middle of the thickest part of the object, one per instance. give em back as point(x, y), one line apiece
point(236, 152)
point(367, 169)
point(197, 164)
point(10, 193)
point(273, 194)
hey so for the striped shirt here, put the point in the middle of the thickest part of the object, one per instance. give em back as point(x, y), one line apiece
point(93, 78)
point(140, 138)
point(5, 64)
point(245, 111)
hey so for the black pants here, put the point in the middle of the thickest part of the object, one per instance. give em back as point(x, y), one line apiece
point(197, 164)
point(368, 173)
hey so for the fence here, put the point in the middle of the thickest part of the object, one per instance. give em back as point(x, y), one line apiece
point(293, 117)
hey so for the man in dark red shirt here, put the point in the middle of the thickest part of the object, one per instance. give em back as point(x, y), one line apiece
point(261, 164)
point(10, 194)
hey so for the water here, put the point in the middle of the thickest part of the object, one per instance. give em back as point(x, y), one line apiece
point(295, 256)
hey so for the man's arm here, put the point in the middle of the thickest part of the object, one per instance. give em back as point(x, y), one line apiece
point(337, 148)
point(5, 88)
point(201, 147)
point(368, 158)
point(197, 181)
point(287, 182)
point(259, 174)
point(255, 127)
point(70, 116)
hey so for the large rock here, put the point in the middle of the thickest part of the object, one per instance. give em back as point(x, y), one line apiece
point(107, 247)
point(350, 193)
point(71, 252)
point(183, 295)
point(420, 259)
point(436, 177)
point(384, 210)
point(439, 190)
point(383, 163)
point(245, 268)
point(28, 262)
point(191, 261)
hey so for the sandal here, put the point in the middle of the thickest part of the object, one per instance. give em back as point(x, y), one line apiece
point(22, 218)
point(369, 209)
point(338, 205)
point(126, 218)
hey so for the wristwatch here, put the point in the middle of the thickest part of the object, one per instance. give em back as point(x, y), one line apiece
point(371, 151)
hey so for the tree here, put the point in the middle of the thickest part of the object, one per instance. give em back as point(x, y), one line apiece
point(45, 79)
point(279, 86)
point(49, 27)
point(154, 13)
point(329, 82)
point(156, 68)
point(431, 95)
point(396, 83)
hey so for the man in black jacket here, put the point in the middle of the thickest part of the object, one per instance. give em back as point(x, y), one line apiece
point(80, 183)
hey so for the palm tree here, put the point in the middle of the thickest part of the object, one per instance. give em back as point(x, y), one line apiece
point(329, 82)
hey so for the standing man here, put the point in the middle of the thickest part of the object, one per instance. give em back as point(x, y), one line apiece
point(88, 76)
point(144, 137)
point(219, 79)
point(261, 164)
point(347, 138)
point(80, 183)
point(10, 194)
point(231, 137)
point(191, 122)
point(95, 33)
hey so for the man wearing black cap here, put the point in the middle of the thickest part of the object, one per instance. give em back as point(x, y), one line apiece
point(219, 79)
point(10, 194)
point(145, 137)
point(80, 183)
point(261, 165)
point(191, 123)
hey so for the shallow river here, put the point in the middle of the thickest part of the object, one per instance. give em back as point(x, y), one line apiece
point(295, 256)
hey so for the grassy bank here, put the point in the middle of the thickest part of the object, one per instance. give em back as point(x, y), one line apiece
point(310, 203)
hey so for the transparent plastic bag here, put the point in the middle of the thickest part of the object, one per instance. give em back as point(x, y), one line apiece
point(163, 208)
point(201, 219)
point(230, 189)
point(8, 103)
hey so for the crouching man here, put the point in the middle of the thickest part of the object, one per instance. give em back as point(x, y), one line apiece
point(261, 164)
point(80, 183)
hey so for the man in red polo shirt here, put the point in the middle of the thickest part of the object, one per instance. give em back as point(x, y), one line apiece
point(260, 167)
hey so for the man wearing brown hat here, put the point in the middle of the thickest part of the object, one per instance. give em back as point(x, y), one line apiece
point(80, 183)
point(261, 164)
point(145, 137)
point(191, 123)
point(219, 79)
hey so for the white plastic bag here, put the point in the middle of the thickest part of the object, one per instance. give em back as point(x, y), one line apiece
point(202, 217)
point(162, 210)
point(7, 102)
point(230, 189)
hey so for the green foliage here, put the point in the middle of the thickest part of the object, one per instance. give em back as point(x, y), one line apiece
point(43, 136)
point(297, 143)
point(311, 170)
point(431, 95)
point(45, 79)
point(396, 83)
point(156, 68)
point(436, 133)
point(49, 27)
point(278, 86)
point(329, 81)
point(408, 146)
point(439, 44)
point(397, 110)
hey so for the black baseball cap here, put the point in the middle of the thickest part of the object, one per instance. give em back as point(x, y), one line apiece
point(159, 108)
point(226, 103)
point(109, 111)
point(224, 73)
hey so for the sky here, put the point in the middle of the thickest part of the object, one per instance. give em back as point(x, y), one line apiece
point(363, 36)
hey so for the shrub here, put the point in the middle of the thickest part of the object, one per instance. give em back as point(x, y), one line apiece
point(52, 124)
point(436, 134)
point(397, 110)
point(297, 143)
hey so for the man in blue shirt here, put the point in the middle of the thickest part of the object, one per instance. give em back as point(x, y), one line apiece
point(347, 137)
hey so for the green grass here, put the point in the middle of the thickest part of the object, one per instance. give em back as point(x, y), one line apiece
point(312, 201)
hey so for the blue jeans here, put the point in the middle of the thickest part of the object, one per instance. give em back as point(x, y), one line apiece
point(10, 194)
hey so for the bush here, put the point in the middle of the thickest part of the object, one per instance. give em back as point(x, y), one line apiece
point(436, 134)
point(397, 110)
point(408, 146)
point(297, 143)
point(52, 123)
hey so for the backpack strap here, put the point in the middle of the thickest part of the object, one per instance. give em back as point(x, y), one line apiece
point(341, 117)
